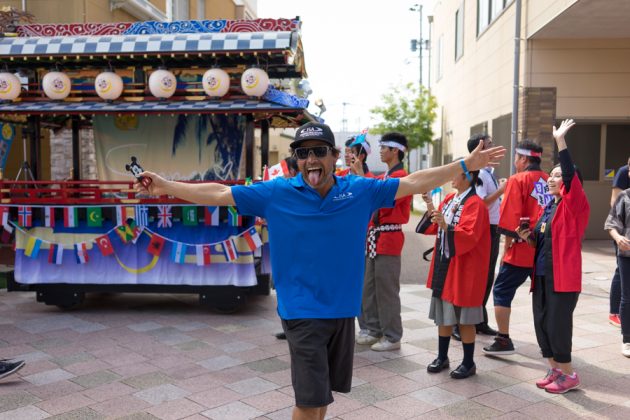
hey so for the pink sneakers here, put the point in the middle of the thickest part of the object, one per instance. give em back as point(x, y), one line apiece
point(552, 375)
point(613, 319)
point(563, 383)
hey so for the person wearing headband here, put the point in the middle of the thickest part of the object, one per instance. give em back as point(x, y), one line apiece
point(380, 307)
point(525, 194)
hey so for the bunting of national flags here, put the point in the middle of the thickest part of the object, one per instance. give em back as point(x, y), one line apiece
point(129, 232)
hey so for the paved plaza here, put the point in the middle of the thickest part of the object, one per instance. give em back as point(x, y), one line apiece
point(166, 357)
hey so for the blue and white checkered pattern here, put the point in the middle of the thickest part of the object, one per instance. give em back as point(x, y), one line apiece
point(140, 44)
point(214, 106)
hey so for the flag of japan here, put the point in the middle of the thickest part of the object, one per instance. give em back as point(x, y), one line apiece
point(178, 253)
point(253, 238)
point(155, 245)
point(105, 245)
point(203, 254)
point(229, 249)
point(49, 216)
point(55, 254)
point(81, 252)
point(70, 217)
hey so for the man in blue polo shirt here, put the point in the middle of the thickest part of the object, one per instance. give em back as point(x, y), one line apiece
point(317, 225)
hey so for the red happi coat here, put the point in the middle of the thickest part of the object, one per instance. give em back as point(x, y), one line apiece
point(391, 243)
point(525, 195)
point(567, 232)
point(469, 246)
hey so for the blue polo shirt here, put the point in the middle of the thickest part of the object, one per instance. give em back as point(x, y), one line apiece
point(317, 244)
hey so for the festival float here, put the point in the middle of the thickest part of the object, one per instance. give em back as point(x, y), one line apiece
point(182, 99)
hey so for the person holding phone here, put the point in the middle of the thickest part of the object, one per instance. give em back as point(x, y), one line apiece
point(557, 282)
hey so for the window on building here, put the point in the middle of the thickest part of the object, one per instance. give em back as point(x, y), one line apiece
point(440, 57)
point(584, 143)
point(481, 128)
point(459, 32)
point(488, 11)
point(502, 136)
point(617, 146)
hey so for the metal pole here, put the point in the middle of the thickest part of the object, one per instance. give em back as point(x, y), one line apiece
point(515, 91)
point(420, 42)
point(264, 142)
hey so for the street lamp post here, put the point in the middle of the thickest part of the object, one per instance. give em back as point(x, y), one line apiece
point(418, 44)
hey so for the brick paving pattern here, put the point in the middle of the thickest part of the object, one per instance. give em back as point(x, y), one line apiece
point(165, 357)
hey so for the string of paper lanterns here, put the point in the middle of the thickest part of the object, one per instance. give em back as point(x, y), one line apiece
point(162, 84)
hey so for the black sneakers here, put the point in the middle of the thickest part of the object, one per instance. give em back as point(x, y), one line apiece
point(501, 347)
point(7, 368)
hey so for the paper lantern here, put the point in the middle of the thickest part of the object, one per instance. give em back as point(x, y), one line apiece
point(162, 84)
point(216, 83)
point(254, 82)
point(10, 86)
point(108, 85)
point(56, 85)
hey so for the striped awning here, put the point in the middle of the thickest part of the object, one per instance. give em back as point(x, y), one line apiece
point(147, 44)
point(177, 107)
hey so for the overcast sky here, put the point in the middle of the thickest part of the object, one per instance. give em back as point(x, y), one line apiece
point(354, 51)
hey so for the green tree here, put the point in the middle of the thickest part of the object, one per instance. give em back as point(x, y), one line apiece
point(409, 111)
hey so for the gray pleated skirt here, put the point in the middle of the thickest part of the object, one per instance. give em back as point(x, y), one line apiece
point(445, 313)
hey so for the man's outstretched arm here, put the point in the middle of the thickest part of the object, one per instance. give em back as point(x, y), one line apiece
point(210, 194)
point(427, 179)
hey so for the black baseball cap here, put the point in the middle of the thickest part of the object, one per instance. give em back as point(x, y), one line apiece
point(313, 131)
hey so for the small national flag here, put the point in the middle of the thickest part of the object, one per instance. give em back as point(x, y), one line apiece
point(55, 254)
point(155, 245)
point(81, 252)
point(105, 245)
point(70, 216)
point(124, 213)
point(165, 217)
point(253, 238)
point(142, 215)
point(277, 170)
point(248, 181)
point(189, 214)
point(4, 215)
point(7, 231)
point(178, 252)
point(128, 231)
point(94, 217)
point(32, 247)
point(25, 216)
point(211, 216)
point(49, 216)
point(235, 219)
point(203, 254)
point(229, 249)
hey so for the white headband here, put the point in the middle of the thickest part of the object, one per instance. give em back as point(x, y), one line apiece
point(527, 152)
point(393, 144)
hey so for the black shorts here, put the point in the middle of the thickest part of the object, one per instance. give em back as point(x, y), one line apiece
point(322, 352)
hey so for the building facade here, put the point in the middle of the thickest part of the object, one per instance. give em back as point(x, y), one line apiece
point(574, 63)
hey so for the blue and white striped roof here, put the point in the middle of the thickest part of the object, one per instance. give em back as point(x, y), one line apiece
point(143, 44)
point(213, 106)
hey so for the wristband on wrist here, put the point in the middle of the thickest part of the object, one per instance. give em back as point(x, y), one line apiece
point(465, 169)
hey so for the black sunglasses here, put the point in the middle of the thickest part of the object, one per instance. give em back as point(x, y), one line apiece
point(318, 151)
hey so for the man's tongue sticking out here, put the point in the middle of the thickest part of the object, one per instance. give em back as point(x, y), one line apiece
point(314, 176)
